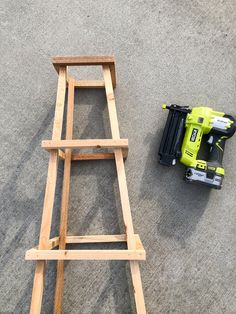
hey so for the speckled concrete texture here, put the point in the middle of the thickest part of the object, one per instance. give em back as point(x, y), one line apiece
point(166, 51)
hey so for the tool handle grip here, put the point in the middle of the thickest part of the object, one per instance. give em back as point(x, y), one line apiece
point(217, 150)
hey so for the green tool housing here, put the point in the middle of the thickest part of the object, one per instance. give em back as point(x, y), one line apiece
point(182, 138)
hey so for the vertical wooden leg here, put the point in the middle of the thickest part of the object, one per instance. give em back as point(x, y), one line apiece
point(134, 266)
point(63, 229)
point(137, 285)
point(65, 200)
point(125, 205)
point(126, 211)
point(59, 287)
point(37, 292)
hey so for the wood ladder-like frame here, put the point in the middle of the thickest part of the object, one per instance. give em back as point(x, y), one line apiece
point(63, 149)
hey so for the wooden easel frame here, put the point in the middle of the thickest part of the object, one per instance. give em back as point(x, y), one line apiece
point(63, 149)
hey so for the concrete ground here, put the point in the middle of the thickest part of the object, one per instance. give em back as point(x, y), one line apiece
point(166, 51)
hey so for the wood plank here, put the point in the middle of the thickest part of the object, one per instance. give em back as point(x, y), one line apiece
point(53, 242)
point(113, 74)
point(59, 287)
point(38, 284)
point(96, 156)
point(85, 255)
point(89, 84)
point(96, 238)
point(82, 60)
point(99, 238)
point(104, 238)
point(92, 156)
point(97, 143)
point(67, 167)
point(139, 245)
point(48, 200)
point(37, 291)
point(61, 154)
point(134, 266)
point(137, 287)
point(119, 159)
point(111, 103)
point(124, 199)
point(65, 199)
point(60, 102)
point(53, 163)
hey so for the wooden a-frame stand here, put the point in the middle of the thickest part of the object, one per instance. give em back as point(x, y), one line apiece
point(55, 248)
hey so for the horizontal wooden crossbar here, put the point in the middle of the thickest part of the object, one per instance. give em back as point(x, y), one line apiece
point(89, 83)
point(49, 254)
point(85, 255)
point(91, 156)
point(106, 143)
point(103, 238)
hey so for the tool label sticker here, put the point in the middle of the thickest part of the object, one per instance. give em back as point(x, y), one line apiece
point(194, 135)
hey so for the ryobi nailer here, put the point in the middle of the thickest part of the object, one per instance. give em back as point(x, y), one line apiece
point(182, 139)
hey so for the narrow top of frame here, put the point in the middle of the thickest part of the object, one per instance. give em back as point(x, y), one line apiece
point(82, 60)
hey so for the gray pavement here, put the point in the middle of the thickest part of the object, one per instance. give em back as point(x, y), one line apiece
point(166, 51)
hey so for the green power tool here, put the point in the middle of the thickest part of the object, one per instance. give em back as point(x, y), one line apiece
point(182, 139)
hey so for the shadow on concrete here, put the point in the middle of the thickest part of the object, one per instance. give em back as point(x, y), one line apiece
point(25, 210)
point(179, 205)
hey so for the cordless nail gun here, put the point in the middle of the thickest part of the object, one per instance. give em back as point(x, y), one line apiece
point(182, 139)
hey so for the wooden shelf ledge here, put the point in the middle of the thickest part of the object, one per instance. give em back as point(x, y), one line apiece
point(82, 60)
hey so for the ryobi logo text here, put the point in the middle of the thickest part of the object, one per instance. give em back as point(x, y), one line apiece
point(194, 135)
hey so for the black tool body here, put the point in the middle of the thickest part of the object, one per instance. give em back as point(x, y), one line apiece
point(170, 147)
